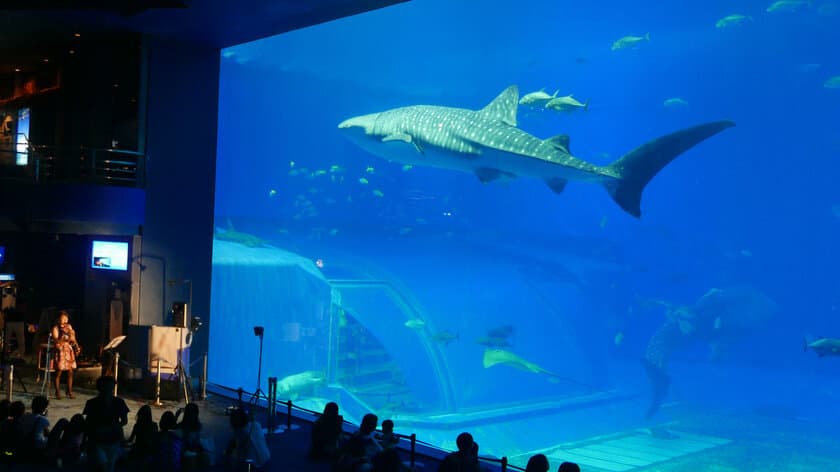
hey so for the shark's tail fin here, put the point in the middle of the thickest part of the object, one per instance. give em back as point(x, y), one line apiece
point(659, 382)
point(638, 166)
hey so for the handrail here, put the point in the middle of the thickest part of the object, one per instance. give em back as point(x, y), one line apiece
point(412, 438)
point(80, 164)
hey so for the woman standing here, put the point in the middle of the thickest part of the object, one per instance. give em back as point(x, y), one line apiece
point(65, 352)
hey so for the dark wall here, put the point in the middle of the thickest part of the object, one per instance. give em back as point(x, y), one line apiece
point(181, 148)
point(96, 101)
point(53, 270)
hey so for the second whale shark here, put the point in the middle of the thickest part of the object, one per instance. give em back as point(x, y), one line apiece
point(488, 143)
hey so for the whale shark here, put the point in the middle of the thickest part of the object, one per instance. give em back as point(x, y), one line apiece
point(489, 144)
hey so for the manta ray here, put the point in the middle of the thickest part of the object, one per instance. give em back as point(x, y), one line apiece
point(500, 356)
point(488, 144)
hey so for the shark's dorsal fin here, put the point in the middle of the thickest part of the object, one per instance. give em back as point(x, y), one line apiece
point(404, 138)
point(561, 142)
point(556, 184)
point(503, 107)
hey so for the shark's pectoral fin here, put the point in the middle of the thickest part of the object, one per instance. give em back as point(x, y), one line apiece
point(557, 185)
point(503, 107)
point(488, 174)
point(406, 138)
point(561, 142)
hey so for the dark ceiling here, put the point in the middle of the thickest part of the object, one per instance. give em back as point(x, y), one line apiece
point(33, 31)
point(218, 23)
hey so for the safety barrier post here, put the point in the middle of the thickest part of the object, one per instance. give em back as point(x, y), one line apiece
point(116, 372)
point(9, 381)
point(204, 379)
point(272, 403)
point(289, 415)
point(504, 464)
point(413, 449)
point(157, 386)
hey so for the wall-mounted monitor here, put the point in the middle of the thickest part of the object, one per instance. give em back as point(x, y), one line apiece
point(22, 138)
point(109, 255)
point(2, 255)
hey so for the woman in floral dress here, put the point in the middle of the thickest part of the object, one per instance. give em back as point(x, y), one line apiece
point(65, 352)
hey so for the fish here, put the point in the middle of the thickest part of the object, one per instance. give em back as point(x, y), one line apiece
point(675, 102)
point(445, 337)
point(503, 331)
point(292, 386)
point(567, 104)
point(629, 42)
point(363, 181)
point(832, 83)
point(824, 346)
point(537, 99)
point(494, 357)
point(272, 193)
point(378, 193)
point(787, 6)
point(732, 20)
point(487, 143)
point(415, 323)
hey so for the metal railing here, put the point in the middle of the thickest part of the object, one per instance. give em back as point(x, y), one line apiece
point(54, 164)
point(412, 440)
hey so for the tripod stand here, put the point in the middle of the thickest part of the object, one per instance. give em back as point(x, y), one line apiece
point(183, 379)
point(255, 398)
point(47, 366)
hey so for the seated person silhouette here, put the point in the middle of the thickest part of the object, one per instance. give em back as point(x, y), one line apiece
point(326, 434)
point(465, 459)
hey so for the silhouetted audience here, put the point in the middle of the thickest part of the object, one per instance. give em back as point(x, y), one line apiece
point(105, 416)
point(537, 463)
point(465, 459)
point(366, 431)
point(143, 438)
point(326, 434)
point(190, 429)
point(568, 467)
point(388, 461)
point(71, 443)
point(170, 446)
point(248, 445)
point(387, 439)
point(35, 428)
point(353, 456)
point(11, 432)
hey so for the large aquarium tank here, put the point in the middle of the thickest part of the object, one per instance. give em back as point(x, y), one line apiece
point(602, 231)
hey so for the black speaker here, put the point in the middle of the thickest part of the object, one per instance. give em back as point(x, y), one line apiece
point(179, 314)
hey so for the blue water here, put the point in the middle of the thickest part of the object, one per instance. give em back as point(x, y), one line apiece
point(573, 276)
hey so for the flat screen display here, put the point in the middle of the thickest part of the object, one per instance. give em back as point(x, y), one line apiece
point(22, 138)
point(2, 255)
point(109, 255)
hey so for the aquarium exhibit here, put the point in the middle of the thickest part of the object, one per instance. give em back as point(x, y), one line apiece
point(605, 232)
